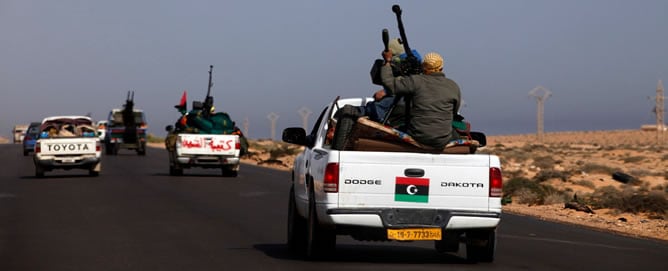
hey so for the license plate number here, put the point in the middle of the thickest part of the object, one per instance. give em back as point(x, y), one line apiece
point(414, 234)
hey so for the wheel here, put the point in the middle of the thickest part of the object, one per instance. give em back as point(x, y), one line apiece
point(481, 245)
point(449, 243)
point(296, 227)
point(344, 126)
point(25, 153)
point(39, 171)
point(230, 173)
point(94, 171)
point(175, 171)
point(319, 241)
point(142, 149)
point(108, 149)
point(174, 168)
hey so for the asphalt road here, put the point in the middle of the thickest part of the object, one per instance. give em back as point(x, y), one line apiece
point(134, 216)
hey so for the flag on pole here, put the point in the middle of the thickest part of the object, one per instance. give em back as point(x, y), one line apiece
point(182, 106)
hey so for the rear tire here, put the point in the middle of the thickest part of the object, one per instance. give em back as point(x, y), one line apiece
point(344, 126)
point(481, 245)
point(39, 171)
point(108, 149)
point(142, 149)
point(319, 240)
point(230, 173)
point(174, 171)
point(296, 227)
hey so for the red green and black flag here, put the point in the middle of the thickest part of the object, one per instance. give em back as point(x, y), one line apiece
point(411, 189)
point(182, 106)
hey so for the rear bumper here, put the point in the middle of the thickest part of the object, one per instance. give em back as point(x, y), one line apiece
point(409, 218)
point(208, 161)
point(68, 162)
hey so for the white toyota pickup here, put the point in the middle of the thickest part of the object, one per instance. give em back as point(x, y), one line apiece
point(205, 151)
point(67, 142)
point(379, 190)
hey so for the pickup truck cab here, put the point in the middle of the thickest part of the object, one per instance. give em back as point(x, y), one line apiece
point(399, 194)
point(67, 142)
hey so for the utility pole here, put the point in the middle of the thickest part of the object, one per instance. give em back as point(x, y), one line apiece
point(660, 124)
point(304, 113)
point(540, 100)
point(273, 117)
point(246, 127)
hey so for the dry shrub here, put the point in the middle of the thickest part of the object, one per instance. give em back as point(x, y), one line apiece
point(527, 191)
point(586, 183)
point(633, 159)
point(282, 150)
point(596, 168)
point(555, 198)
point(544, 162)
point(630, 200)
point(545, 175)
point(527, 196)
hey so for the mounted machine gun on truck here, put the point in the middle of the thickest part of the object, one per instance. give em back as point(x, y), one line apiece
point(204, 138)
point(126, 128)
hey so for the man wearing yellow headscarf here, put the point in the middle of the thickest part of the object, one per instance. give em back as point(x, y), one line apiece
point(434, 100)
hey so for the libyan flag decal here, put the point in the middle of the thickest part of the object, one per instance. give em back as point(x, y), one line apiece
point(411, 189)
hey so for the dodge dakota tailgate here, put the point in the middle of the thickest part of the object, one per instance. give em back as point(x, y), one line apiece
point(415, 180)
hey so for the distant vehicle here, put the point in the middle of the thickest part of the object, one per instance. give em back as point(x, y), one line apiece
point(102, 129)
point(126, 129)
point(119, 136)
point(67, 142)
point(30, 138)
point(19, 132)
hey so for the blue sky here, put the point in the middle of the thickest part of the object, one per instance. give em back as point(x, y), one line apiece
point(601, 59)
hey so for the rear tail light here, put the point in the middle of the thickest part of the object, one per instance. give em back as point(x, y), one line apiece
point(331, 181)
point(495, 182)
point(38, 147)
point(98, 146)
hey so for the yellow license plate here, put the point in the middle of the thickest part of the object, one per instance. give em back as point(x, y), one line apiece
point(414, 234)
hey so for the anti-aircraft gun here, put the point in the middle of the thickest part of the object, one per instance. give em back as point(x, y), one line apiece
point(126, 128)
point(403, 64)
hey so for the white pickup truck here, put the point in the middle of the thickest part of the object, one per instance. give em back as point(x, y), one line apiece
point(399, 194)
point(67, 142)
point(203, 150)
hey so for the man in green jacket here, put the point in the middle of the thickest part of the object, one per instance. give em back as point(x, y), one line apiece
point(434, 98)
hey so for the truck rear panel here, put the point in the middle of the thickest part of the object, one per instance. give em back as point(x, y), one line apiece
point(415, 180)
